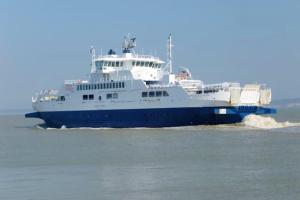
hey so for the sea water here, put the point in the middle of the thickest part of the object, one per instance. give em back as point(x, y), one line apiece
point(256, 159)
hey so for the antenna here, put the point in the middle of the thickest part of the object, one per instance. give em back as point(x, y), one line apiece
point(170, 53)
point(128, 43)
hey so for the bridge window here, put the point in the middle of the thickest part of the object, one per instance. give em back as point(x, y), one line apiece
point(99, 64)
point(117, 64)
point(165, 94)
point(133, 63)
point(138, 63)
point(91, 97)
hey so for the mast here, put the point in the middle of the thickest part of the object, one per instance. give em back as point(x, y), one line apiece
point(93, 56)
point(170, 53)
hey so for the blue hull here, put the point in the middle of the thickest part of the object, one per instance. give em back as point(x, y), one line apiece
point(160, 117)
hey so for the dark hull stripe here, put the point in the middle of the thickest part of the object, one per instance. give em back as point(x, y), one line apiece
point(158, 117)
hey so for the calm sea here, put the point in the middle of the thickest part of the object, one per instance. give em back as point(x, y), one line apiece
point(258, 159)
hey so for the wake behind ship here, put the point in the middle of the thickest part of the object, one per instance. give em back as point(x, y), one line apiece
point(132, 90)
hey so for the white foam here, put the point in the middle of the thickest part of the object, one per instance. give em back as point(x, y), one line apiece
point(266, 122)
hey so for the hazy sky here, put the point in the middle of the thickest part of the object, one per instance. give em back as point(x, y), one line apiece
point(42, 43)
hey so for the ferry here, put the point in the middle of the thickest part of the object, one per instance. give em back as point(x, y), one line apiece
point(133, 90)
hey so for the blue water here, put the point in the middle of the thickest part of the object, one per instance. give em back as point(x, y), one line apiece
point(201, 162)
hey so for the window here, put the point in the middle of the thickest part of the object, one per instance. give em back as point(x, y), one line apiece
point(85, 97)
point(133, 63)
point(114, 85)
point(117, 85)
point(109, 63)
point(91, 97)
point(144, 94)
point(138, 63)
point(99, 64)
point(108, 96)
point(115, 95)
point(151, 64)
point(61, 98)
point(142, 64)
point(165, 94)
point(158, 93)
point(99, 98)
point(117, 64)
point(147, 64)
point(113, 64)
point(151, 94)
point(123, 85)
point(121, 64)
point(105, 63)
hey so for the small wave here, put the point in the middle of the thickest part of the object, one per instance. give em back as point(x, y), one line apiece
point(264, 122)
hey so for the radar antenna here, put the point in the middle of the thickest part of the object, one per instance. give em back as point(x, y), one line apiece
point(128, 43)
